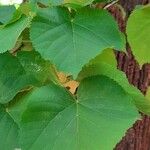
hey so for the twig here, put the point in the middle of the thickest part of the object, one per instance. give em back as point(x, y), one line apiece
point(110, 4)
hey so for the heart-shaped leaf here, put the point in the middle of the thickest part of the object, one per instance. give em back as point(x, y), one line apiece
point(72, 42)
point(97, 119)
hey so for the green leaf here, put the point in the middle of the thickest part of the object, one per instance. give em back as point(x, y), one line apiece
point(97, 119)
point(68, 3)
point(6, 13)
point(8, 131)
point(107, 70)
point(138, 33)
point(26, 9)
point(102, 66)
point(72, 3)
point(103, 1)
point(17, 106)
point(37, 68)
point(10, 33)
point(106, 56)
point(41, 1)
point(72, 42)
point(141, 102)
point(18, 73)
point(148, 94)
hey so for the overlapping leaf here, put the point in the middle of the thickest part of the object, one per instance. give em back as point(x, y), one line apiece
point(10, 33)
point(69, 3)
point(105, 64)
point(72, 3)
point(107, 56)
point(138, 32)
point(72, 42)
point(8, 131)
point(24, 71)
point(17, 106)
point(6, 13)
point(97, 119)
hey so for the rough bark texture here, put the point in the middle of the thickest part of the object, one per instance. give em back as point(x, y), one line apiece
point(138, 137)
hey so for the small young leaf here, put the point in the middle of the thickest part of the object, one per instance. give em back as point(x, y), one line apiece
point(138, 33)
point(8, 131)
point(24, 71)
point(97, 119)
point(71, 43)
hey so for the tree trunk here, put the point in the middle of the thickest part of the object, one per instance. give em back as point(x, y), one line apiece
point(138, 137)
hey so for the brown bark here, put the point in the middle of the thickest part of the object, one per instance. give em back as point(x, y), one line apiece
point(138, 137)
